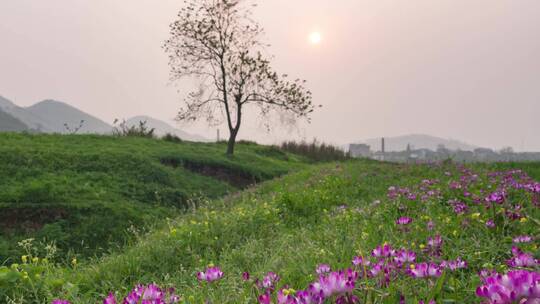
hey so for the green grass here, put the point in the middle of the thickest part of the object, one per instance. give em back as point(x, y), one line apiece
point(323, 213)
point(85, 191)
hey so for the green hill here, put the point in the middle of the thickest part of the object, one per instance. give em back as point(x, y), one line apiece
point(85, 192)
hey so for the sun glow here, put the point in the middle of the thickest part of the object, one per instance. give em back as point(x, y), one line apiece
point(315, 38)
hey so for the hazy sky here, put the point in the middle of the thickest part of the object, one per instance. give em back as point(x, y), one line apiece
point(462, 69)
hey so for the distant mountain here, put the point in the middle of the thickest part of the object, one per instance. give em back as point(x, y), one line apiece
point(162, 128)
point(29, 119)
point(417, 141)
point(8, 123)
point(50, 116)
point(56, 114)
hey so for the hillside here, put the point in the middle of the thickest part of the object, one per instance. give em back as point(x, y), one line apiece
point(10, 124)
point(56, 114)
point(162, 128)
point(413, 228)
point(85, 191)
point(417, 141)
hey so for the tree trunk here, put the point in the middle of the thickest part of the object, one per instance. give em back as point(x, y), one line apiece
point(232, 142)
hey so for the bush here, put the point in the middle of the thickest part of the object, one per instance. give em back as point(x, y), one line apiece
point(319, 152)
point(172, 138)
point(123, 129)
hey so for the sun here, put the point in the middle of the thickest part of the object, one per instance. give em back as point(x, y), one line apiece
point(315, 38)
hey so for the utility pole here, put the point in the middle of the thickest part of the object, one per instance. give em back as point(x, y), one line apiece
point(382, 147)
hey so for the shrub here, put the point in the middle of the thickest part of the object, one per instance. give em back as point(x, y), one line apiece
point(315, 151)
point(172, 138)
point(123, 129)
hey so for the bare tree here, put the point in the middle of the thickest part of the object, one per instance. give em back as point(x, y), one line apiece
point(218, 43)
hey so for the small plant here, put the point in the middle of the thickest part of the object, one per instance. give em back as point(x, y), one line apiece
point(75, 129)
point(123, 129)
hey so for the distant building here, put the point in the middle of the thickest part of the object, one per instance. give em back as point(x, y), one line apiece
point(359, 150)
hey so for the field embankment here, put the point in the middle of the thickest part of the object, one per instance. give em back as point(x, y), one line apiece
point(84, 192)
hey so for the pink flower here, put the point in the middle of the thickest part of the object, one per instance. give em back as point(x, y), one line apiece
point(211, 274)
point(383, 251)
point(110, 299)
point(517, 286)
point(403, 256)
point(424, 270)
point(522, 239)
point(323, 268)
point(404, 220)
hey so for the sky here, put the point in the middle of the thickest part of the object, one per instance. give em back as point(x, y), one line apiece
point(460, 69)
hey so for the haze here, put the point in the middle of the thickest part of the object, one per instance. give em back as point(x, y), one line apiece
point(462, 69)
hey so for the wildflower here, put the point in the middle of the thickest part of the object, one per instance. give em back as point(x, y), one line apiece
point(383, 251)
point(323, 268)
point(517, 286)
point(521, 259)
point(430, 225)
point(522, 239)
point(454, 265)
point(269, 281)
point(404, 220)
point(245, 276)
point(404, 256)
point(286, 296)
point(360, 261)
point(24, 259)
point(110, 299)
point(434, 245)
point(335, 283)
point(211, 274)
point(497, 197)
point(60, 302)
point(459, 207)
point(423, 270)
point(490, 223)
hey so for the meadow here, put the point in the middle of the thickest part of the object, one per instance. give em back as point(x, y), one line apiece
point(85, 192)
point(354, 231)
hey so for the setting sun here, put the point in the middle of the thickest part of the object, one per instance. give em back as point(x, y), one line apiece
point(315, 37)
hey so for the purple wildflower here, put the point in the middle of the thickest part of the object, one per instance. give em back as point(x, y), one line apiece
point(211, 274)
point(110, 299)
point(424, 270)
point(522, 259)
point(404, 220)
point(522, 239)
point(517, 286)
point(323, 268)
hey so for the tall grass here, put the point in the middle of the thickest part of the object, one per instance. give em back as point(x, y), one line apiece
point(315, 151)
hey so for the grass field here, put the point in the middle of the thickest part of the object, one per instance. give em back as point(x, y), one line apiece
point(84, 192)
point(389, 232)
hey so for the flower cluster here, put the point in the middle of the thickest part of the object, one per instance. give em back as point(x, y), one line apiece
point(517, 286)
point(211, 274)
point(151, 294)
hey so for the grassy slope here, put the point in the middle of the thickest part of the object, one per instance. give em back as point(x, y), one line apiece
point(84, 191)
point(292, 224)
